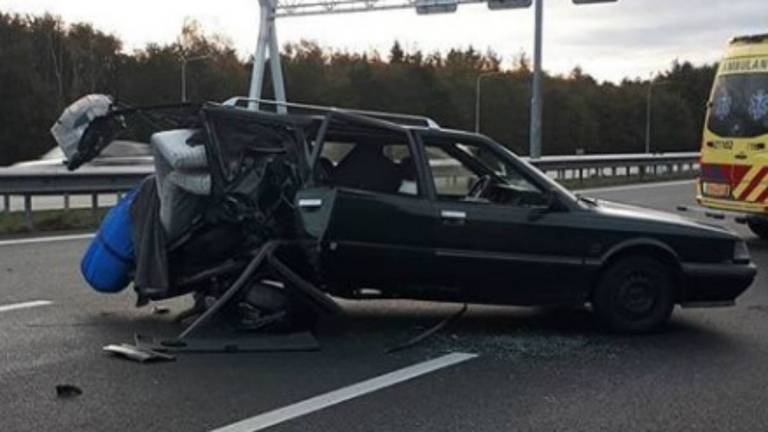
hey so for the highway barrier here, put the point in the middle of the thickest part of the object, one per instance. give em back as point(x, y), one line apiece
point(93, 181)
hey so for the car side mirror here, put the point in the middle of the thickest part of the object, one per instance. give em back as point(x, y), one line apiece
point(551, 204)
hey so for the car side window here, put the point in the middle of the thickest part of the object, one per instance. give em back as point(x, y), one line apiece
point(474, 172)
point(381, 164)
point(452, 179)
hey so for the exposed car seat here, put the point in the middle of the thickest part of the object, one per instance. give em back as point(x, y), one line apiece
point(182, 180)
point(366, 168)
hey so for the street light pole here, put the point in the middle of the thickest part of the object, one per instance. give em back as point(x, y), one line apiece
point(536, 100)
point(184, 61)
point(477, 96)
point(648, 112)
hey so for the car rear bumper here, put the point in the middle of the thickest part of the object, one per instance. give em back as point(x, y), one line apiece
point(715, 284)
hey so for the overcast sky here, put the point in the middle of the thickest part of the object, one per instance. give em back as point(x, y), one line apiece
point(611, 41)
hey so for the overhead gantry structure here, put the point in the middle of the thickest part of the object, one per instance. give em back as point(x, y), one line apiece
point(269, 49)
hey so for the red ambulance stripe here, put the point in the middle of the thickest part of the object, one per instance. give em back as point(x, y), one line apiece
point(754, 183)
point(763, 196)
point(738, 172)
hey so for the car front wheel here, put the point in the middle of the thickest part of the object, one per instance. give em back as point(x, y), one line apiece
point(635, 295)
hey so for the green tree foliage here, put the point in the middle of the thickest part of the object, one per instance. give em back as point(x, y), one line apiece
point(46, 65)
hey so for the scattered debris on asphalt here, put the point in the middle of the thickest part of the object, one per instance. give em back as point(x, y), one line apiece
point(521, 343)
point(758, 308)
point(284, 342)
point(139, 354)
point(148, 349)
point(429, 332)
point(140, 351)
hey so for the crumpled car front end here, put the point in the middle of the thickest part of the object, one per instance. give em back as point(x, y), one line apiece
point(224, 184)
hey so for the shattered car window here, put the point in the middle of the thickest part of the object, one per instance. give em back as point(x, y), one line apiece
point(374, 165)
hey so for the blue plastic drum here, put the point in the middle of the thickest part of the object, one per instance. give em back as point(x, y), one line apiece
point(109, 261)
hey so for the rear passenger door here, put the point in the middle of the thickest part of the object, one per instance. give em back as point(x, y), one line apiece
point(378, 224)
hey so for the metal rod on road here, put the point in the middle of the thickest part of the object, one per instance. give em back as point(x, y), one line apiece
point(536, 100)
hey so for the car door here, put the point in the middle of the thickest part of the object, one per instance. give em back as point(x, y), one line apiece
point(502, 253)
point(371, 237)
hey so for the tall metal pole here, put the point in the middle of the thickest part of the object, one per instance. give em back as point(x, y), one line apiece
point(183, 79)
point(477, 103)
point(278, 83)
point(267, 45)
point(649, 111)
point(267, 20)
point(477, 96)
point(648, 117)
point(536, 100)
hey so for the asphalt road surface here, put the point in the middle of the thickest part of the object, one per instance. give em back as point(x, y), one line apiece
point(532, 370)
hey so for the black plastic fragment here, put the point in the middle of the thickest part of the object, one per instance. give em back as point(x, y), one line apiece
point(68, 391)
point(161, 310)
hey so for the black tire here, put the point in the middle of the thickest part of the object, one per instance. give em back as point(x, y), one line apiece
point(759, 226)
point(635, 295)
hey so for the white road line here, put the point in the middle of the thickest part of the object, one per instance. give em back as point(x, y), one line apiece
point(45, 239)
point(280, 415)
point(637, 186)
point(25, 305)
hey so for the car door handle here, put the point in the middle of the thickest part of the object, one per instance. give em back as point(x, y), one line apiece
point(310, 203)
point(453, 217)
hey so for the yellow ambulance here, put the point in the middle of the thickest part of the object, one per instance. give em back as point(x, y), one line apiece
point(734, 153)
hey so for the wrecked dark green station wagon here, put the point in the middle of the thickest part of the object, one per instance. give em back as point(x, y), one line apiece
point(301, 204)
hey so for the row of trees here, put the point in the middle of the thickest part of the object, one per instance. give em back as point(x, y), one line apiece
point(45, 65)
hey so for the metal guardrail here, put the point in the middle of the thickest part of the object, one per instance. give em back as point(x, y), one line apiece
point(54, 180)
point(582, 167)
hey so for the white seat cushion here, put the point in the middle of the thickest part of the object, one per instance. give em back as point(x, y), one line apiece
point(173, 147)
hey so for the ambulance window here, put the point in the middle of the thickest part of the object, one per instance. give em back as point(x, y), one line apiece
point(739, 106)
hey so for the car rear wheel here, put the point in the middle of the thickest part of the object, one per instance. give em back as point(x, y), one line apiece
point(635, 295)
point(759, 226)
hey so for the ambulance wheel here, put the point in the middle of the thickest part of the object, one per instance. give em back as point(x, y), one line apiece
point(759, 226)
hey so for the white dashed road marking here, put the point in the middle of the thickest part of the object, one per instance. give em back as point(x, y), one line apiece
point(25, 305)
point(280, 415)
point(45, 239)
